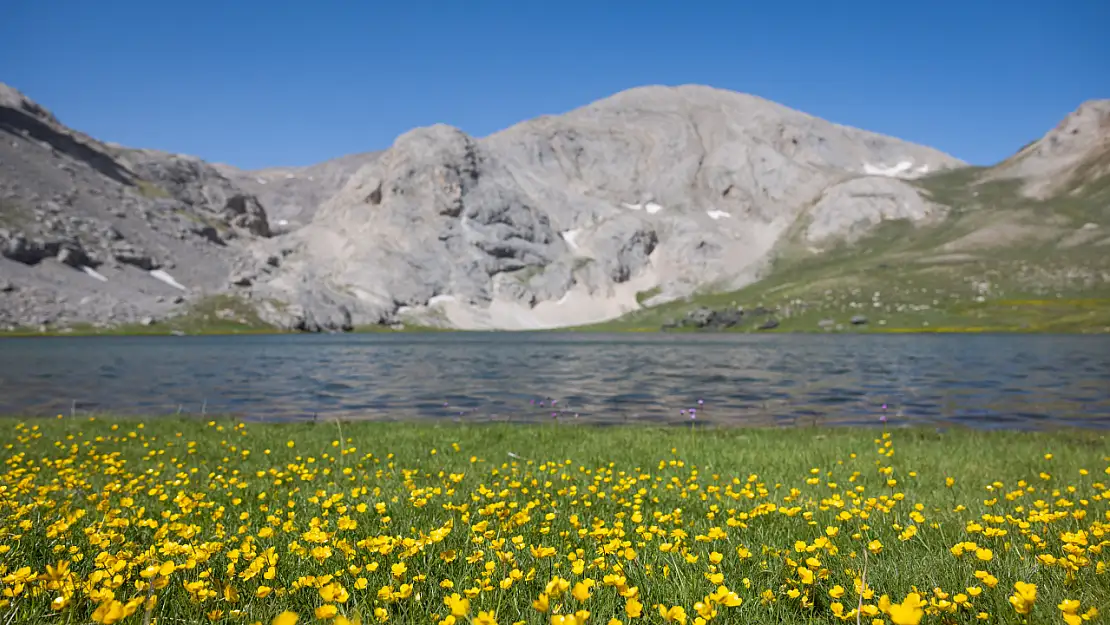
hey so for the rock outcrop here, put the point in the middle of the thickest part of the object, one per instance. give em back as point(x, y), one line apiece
point(90, 233)
point(1074, 153)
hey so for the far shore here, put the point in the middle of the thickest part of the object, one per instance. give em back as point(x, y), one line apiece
point(599, 329)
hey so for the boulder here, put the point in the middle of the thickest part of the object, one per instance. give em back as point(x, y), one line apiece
point(245, 212)
point(130, 255)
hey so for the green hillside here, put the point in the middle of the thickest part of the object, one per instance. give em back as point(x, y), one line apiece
point(999, 261)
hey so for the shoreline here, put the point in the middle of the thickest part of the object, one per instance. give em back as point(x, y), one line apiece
point(166, 332)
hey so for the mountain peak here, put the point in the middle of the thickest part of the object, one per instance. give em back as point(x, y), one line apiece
point(1052, 164)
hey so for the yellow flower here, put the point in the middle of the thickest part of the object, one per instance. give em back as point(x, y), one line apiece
point(673, 614)
point(108, 612)
point(909, 612)
point(485, 618)
point(334, 592)
point(1069, 609)
point(725, 597)
point(326, 611)
point(541, 604)
point(557, 586)
point(581, 591)
point(633, 608)
point(1023, 598)
point(459, 606)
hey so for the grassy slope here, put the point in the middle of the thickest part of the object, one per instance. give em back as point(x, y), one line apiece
point(766, 489)
point(214, 315)
point(926, 277)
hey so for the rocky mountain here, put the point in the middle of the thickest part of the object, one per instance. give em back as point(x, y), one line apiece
point(1021, 246)
point(651, 196)
point(565, 220)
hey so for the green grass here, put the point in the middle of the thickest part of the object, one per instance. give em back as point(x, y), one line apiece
point(13, 214)
point(643, 296)
point(150, 190)
point(790, 512)
point(213, 315)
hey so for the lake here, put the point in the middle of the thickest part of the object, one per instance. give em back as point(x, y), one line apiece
point(982, 381)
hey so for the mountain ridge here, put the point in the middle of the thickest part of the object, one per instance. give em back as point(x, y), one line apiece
point(649, 196)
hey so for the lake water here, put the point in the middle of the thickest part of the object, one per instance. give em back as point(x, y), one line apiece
point(985, 381)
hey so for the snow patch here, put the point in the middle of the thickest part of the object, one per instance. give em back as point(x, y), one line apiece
point(441, 299)
point(904, 169)
point(563, 299)
point(260, 180)
point(570, 236)
point(94, 273)
point(634, 207)
point(716, 214)
point(652, 208)
point(158, 274)
point(891, 172)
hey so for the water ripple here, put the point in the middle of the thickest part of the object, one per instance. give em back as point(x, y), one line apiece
point(978, 381)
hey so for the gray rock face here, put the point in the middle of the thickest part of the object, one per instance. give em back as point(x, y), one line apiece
point(244, 211)
point(555, 221)
point(437, 215)
point(563, 219)
point(84, 234)
point(291, 195)
point(850, 209)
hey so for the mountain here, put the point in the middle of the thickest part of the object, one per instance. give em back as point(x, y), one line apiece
point(1022, 246)
point(631, 208)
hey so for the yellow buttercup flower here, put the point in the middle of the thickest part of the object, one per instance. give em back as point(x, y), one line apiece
point(1025, 595)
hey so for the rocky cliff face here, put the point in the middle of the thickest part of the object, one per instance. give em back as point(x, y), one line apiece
point(633, 200)
point(564, 220)
point(92, 233)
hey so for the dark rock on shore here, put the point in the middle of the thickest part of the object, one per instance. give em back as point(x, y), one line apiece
point(770, 324)
point(708, 319)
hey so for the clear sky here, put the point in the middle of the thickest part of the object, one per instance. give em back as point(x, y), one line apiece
point(256, 84)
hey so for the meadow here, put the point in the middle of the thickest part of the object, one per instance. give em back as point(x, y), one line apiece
point(165, 520)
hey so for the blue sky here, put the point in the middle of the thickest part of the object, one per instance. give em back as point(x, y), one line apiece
point(257, 84)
